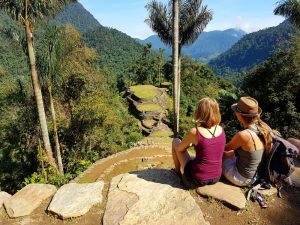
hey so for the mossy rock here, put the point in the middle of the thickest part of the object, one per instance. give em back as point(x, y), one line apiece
point(148, 107)
point(144, 91)
point(148, 123)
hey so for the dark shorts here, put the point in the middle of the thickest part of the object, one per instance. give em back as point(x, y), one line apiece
point(191, 182)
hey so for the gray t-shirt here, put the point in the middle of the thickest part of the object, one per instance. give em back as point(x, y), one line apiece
point(248, 163)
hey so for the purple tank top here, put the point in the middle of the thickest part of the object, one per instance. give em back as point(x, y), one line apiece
point(208, 161)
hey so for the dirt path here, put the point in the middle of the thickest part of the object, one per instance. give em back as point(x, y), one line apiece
point(284, 211)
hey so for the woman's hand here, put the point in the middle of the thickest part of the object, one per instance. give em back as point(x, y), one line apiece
point(229, 154)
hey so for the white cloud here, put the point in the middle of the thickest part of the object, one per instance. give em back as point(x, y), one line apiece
point(256, 23)
point(240, 23)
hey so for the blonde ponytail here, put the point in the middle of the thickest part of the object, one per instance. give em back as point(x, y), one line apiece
point(265, 134)
point(264, 131)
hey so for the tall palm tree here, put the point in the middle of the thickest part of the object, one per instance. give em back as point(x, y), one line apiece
point(193, 18)
point(175, 58)
point(50, 62)
point(27, 11)
point(289, 9)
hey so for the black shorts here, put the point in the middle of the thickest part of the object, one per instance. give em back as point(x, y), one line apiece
point(191, 182)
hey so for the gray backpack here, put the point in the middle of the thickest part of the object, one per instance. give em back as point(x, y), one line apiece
point(279, 163)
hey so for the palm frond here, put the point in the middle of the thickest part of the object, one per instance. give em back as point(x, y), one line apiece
point(289, 9)
point(13, 8)
point(37, 9)
point(193, 20)
point(160, 20)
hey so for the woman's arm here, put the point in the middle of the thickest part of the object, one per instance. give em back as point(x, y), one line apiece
point(236, 142)
point(190, 137)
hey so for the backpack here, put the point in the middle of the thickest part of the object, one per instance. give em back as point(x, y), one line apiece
point(279, 164)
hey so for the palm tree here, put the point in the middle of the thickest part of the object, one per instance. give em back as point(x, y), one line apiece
point(193, 18)
point(175, 58)
point(50, 62)
point(27, 11)
point(289, 9)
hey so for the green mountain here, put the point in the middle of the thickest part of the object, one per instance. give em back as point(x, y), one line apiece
point(208, 45)
point(116, 49)
point(252, 49)
point(78, 16)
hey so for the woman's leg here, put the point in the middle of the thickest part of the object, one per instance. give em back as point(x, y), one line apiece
point(179, 158)
point(231, 173)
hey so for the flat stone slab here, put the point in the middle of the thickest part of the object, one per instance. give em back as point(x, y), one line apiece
point(73, 200)
point(3, 196)
point(150, 197)
point(28, 199)
point(230, 195)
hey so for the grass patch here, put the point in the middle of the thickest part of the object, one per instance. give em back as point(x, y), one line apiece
point(161, 134)
point(149, 107)
point(144, 91)
point(248, 208)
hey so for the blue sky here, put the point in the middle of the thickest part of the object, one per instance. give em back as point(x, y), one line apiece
point(128, 16)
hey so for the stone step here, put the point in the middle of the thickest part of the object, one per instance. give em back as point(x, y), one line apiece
point(73, 200)
point(229, 194)
point(150, 197)
point(25, 201)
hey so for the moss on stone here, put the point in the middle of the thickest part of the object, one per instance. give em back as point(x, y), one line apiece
point(148, 107)
point(161, 134)
point(144, 91)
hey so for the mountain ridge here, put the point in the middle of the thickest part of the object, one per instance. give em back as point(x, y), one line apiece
point(115, 48)
point(208, 44)
point(252, 49)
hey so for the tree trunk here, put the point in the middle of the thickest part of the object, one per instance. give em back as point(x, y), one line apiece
point(178, 83)
point(175, 57)
point(57, 145)
point(38, 92)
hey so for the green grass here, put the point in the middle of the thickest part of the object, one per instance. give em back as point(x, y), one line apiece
point(148, 107)
point(144, 91)
point(161, 134)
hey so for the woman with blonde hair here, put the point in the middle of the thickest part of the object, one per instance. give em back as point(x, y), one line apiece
point(208, 139)
point(243, 156)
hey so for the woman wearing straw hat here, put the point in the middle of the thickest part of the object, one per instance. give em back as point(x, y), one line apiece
point(243, 154)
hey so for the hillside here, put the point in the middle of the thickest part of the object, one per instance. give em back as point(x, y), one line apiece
point(207, 46)
point(116, 49)
point(78, 16)
point(252, 49)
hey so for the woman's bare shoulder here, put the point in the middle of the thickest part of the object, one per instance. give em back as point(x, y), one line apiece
point(193, 130)
point(243, 134)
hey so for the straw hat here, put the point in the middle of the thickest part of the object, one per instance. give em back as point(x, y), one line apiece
point(247, 107)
